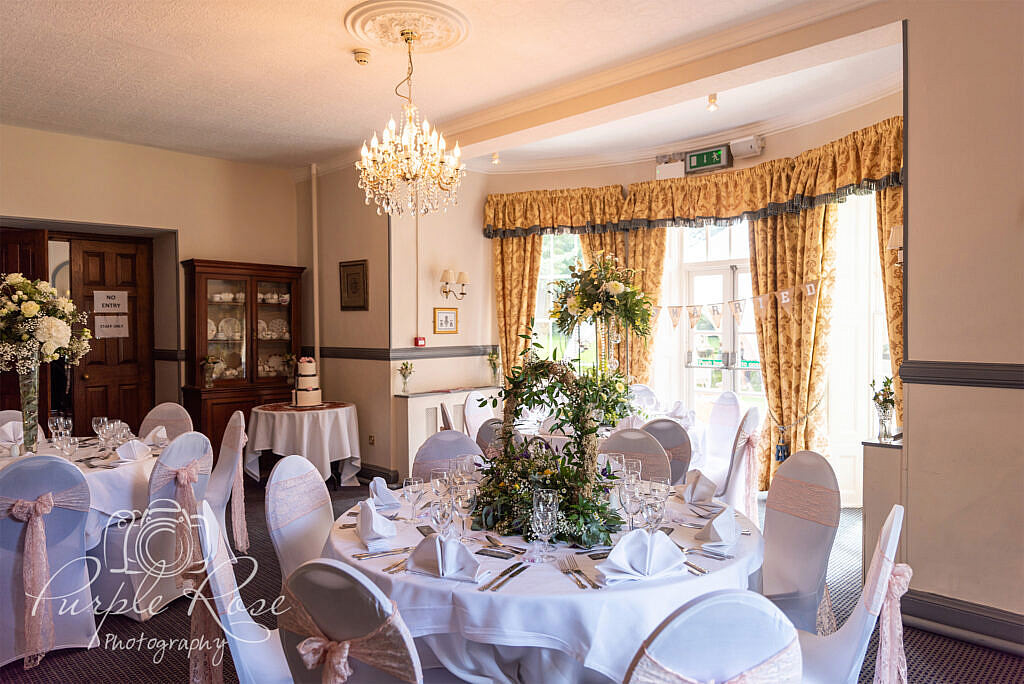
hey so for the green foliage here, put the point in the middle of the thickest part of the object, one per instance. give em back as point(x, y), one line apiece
point(601, 292)
point(884, 398)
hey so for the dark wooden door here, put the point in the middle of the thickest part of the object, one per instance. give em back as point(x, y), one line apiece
point(24, 251)
point(116, 378)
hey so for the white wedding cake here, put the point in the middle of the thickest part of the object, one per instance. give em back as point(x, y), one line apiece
point(307, 384)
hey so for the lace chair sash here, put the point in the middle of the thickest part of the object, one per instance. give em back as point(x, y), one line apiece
point(748, 446)
point(891, 661)
point(39, 635)
point(804, 500)
point(187, 552)
point(782, 668)
point(384, 648)
point(239, 529)
point(683, 452)
point(291, 498)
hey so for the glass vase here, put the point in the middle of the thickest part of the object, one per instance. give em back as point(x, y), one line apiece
point(884, 423)
point(405, 384)
point(28, 384)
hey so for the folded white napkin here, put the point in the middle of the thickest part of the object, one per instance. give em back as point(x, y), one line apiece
point(132, 450)
point(382, 496)
point(157, 437)
point(698, 488)
point(12, 433)
point(720, 533)
point(447, 558)
point(373, 528)
point(641, 555)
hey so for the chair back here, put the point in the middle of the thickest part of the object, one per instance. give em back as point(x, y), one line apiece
point(719, 436)
point(316, 589)
point(446, 417)
point(488, 433)
point(64, 526)
point(801, 519)
point(735, 478)
point(299, 512)
point(639, 444)
point(438, 448)
point(853, 637)
point(247, 639)
point(676, 443)
point(474, 415)
point(173, 417)
point(717, 637)
point(229, 460)
point(183, 450)
point(14, 416)
point(634, 422)
point(644, 398)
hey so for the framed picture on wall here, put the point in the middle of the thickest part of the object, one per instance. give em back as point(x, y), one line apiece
point(355, 291)
point(446, 321)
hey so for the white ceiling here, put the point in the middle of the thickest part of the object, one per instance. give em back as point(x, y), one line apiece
point(272, 81)
point(765, 106)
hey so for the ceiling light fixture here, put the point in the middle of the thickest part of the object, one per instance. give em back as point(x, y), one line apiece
point(713, 102)
point(495, 159)
point(409, 168)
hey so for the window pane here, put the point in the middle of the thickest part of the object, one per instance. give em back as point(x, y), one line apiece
point(707, 379)
point(749, 354)
point(558, 253)
point(695, 244)
point(740, 240)
point(707, 350)
point(718, 243)
point(707, 289)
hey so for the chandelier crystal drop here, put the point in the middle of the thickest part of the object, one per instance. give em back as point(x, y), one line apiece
point(409, 167)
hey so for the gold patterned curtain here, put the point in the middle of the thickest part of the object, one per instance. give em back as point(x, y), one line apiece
point(516, 271)
point(889, 211)
point(643, 250)
point(785, 251)
point(550, 211)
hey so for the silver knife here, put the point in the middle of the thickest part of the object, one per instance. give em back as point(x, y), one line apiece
point(504, 572)
point(696, 567)
point(503, 582)
point(381, 554)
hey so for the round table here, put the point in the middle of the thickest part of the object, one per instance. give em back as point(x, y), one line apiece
point(322, 434)
point(541, 625)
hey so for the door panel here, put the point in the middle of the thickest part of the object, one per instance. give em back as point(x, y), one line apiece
point(24, 251)
point(116, 377)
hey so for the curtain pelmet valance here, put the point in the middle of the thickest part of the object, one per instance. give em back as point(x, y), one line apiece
point(867, 160)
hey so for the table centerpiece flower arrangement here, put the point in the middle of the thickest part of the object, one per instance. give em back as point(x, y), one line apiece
point(37, 326)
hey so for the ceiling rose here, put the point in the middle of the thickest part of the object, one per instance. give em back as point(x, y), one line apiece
point(380, 22)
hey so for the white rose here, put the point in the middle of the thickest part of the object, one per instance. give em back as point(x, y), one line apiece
point(53, 330)
point(49, 348)
point(614, 288)
point(65, 305)
point(573, 307)
point(29, 309)
point(13, 278)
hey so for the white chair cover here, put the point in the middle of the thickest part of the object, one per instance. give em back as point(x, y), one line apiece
point(800, 522)
point(639, 444)
point(838, 657)
point(474, 415)
point(366, 642)
point(255, 650)
point(299, 512)
point(148, 561)
point(633, 422)
point(740, 487)
point(438, 448)
point(644, 398)
point(719, 437)
point(226, 482)
point(44, 502)
point(676, 443)
point(446, 417)
point(488, 433)
point(173, 417)
point(727, 636)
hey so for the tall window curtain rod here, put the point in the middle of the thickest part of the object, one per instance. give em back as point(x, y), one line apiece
point(864, 161)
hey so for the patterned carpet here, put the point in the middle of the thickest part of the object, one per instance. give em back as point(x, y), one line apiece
point(932, 659)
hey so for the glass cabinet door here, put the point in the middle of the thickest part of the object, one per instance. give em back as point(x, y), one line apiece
point(273, 329)
point(226, 331)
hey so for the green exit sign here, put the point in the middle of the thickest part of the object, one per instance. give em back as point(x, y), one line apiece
point(709, 159)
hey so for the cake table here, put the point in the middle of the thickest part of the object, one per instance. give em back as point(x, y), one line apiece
point(322, 434)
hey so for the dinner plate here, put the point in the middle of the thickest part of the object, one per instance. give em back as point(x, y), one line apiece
point(211, 329)
point(231, 327)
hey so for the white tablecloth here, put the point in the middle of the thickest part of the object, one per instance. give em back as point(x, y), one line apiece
point(118, 492)
point(541, 624)
point(320, 435)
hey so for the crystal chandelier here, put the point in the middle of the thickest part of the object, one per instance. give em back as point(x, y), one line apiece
point(408, 167)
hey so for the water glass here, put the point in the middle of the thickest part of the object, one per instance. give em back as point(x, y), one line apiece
point(439, 482)
point(465, 504)
point(412, 490)
point(653, 509)
point(441, 515)
point(69, 446)
point(661, 486)
point(630, 498)
point(631, 465)
point(543, 520)
point(53, 422)
point(615, 463)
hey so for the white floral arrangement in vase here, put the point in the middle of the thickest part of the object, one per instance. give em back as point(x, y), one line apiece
point(37, 325)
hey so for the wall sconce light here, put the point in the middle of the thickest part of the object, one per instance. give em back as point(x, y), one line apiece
point(448, 278)
point(896, 242)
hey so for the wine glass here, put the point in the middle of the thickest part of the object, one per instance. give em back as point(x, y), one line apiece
point(69, 446)
point(65, 423)
point(630, 499)
point(661, 486)
point(439, 482)
point(465, 504)
point(653, 509)
point(53, 422)
point(631, 465)
point(97, 424)
point(543, 521)
point(441, 516)
point(412, 490)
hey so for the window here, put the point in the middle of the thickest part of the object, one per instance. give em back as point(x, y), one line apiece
point(558, 253)
point(707, 265)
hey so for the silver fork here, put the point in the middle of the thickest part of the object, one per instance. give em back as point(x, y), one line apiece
point(575, 567)
point(563, 565)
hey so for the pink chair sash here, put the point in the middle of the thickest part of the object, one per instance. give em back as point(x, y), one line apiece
point(683, 452)
point(204, 665)
point(39, 632)
point(384, 648)
point(748, 443)
point(188, 555)
point(291, 498)
point(239, 528)
point(891, 661)
point(804, 500)
point(782, 668)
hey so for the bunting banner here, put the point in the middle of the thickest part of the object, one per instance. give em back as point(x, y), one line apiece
point(737, 307)
point(811, 290)
point(675, 313)
point(761, 304)
point(786, 298)
point(694, 313)
point(655, 312)
point(715, 314)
